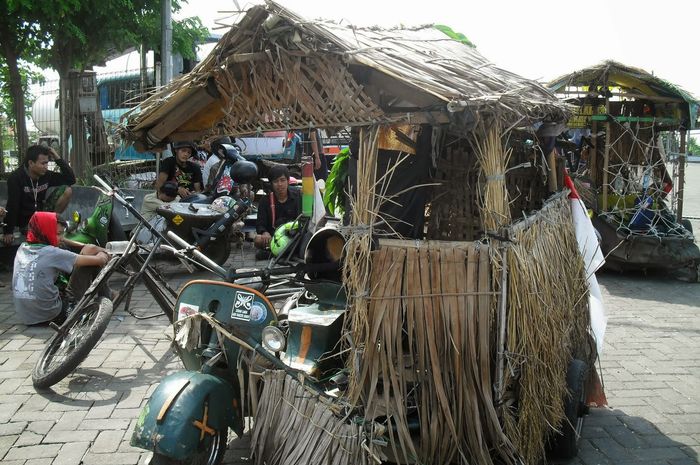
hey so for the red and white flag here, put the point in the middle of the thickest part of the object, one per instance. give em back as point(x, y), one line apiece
point(589, 247)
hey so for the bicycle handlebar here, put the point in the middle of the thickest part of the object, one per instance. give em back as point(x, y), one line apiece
point(203, 259)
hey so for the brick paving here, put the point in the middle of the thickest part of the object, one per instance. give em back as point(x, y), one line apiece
point(651, 371)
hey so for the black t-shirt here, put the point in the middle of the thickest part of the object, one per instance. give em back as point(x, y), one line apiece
point(284, 212)
point(184, 177)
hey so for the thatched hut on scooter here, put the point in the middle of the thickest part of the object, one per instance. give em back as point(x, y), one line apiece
point(467, 296)
point(629, 154)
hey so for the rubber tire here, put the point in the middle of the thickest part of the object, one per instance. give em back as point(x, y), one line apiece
point(116, 231)
point(44, 379)
point(203, 458)
point(219, 250)
point(565, 445)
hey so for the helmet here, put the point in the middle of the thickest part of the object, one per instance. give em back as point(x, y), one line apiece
point(217, 143)
point(222, 204)
point(185, 144)
point(282, 237)
point(243, 171)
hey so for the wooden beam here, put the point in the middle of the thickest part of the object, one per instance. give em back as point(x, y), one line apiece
point(681, 176)
point(245, 57)
point(422, 117)
point(396, 88)
point(606, 164)
point(593, 159)
point(552, 177)
point(177, 116)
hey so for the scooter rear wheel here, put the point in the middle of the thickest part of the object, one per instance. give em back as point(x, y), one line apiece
point(213, 455)
point(72, 343)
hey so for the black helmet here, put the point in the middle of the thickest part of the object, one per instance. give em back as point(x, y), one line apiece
point(243, 171)
point(217, 143)
point(229, 152)
point(185, 144)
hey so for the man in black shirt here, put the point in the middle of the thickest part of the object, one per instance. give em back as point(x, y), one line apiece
point(32, 187)
point(279, 207)
point(179, 169)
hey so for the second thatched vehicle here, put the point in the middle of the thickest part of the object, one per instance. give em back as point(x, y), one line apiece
point(629, 134)
point(466, 333)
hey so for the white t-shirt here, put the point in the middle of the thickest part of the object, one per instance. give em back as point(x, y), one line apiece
point(213, 160)
point(36, 268)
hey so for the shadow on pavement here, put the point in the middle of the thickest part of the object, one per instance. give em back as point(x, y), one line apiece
point(651, 286)
point(611, 436)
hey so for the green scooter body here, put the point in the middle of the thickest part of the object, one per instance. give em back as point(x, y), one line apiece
point(166, 425)
point(95, 229)
point(184, 414)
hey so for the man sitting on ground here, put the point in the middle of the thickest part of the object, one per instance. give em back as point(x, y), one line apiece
point(37, 265)
point(151, 202)
point(279, 207)
point(32, 188)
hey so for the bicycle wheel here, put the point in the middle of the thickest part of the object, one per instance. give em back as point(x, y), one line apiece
point(72, 343)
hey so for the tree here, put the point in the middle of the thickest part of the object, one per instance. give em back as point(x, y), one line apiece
point(20, 38)
point(693, 146)
point(71, 35)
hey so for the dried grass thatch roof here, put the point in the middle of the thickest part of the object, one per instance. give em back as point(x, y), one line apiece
point(276, 70)
point(633, 83)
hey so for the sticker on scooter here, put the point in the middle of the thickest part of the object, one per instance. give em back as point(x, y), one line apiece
point(242, 306)
point(258, 312)
point(186, 310)
point(177, 219)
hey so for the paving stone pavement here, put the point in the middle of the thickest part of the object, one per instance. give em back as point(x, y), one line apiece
point(650, 366)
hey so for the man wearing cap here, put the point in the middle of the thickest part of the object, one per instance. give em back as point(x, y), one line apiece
point(179, 169)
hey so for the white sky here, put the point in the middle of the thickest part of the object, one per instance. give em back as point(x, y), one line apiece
point(539, 39)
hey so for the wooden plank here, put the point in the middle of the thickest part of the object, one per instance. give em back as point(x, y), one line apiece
point(175, 116)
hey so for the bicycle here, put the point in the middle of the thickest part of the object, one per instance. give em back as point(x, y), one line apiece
point(89, 317)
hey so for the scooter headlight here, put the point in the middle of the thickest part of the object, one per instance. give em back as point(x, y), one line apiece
point(273, 339)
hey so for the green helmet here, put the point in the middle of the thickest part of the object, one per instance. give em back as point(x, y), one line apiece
point(282, 237)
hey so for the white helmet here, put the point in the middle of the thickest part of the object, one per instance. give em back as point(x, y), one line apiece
point(222, 204)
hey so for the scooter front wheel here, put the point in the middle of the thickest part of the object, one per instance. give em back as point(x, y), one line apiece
point(72, 343)
point(212, 455)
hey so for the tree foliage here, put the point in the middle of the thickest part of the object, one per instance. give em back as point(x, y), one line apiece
point(693, 146)
point(76, 35)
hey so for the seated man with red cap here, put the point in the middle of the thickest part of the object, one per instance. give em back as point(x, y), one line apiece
point(38, 263)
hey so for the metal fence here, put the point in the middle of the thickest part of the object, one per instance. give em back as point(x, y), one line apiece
point(84, 132)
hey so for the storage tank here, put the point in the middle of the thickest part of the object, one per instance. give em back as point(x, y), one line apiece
point(45, 114)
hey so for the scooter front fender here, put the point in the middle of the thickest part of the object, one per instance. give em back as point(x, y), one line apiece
point(184, 413)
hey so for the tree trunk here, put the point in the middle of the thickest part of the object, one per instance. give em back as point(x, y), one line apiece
point(17, 95)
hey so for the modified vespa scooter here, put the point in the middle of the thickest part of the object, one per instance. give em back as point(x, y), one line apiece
point(196, 219)
point(224, 330)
